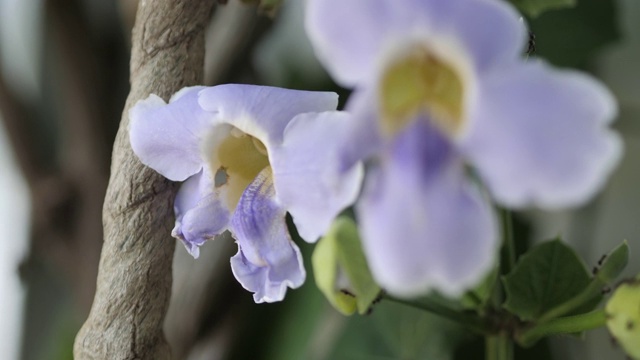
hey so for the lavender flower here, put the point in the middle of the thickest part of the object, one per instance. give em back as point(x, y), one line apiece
point(440, 86)
point(247, 156)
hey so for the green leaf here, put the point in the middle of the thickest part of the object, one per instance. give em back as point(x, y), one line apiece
point(536, 7)
point(395, 331)
point(611, 266)
point(571, 37)
point(548, 275)
point(339, 255)
point(478, 297)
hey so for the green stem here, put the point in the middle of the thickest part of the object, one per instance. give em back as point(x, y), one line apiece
point(593, 290)
point(468, 320)
point(508, 242)
point(565, 325)
point(498, 347)
point(507, 256)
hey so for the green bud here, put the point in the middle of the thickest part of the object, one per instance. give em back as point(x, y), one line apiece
point(341, 271)
point(623, 317)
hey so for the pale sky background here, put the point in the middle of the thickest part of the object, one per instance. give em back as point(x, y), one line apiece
point(19, 48)
point(14, 220)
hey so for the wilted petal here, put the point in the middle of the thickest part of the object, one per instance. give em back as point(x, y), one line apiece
point(541, 136)
point(166, 137)
point(308, 180)
point(267, 261)
point(200, 213)
point(424, 226)
point(262, 111)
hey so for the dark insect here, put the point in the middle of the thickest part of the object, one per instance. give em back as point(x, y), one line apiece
point(347, 292)
point(600, 262)
point(602, 259)
point(531, 45)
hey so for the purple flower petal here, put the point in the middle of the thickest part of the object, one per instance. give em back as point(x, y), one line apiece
point(353, 38)
point(261, 111)
point(347, 35)
point(489, 32)
point(363, 138)
point(166, 137)
point(267, 261)
point(424, 226)
point(200, 212)
point(308, 180)
point(540, 136)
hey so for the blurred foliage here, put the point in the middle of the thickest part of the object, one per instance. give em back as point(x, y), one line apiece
point(269, 7)
point(478, 297)
point(64, 342)
point(545, 277)
point(472, 350)
point(536, 7)
point(570, 37)
point(395, 331)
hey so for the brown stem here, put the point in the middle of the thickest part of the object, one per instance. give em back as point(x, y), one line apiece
point(134, 278)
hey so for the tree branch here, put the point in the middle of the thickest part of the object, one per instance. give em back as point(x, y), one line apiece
point(134, 279)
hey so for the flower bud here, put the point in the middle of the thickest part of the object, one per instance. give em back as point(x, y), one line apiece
point(623, 317)
point(341, 270)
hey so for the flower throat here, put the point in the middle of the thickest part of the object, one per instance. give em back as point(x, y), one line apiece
point(421, 82)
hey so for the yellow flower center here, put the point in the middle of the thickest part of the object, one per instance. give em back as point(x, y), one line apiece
point(421, 82)
point(238, 159)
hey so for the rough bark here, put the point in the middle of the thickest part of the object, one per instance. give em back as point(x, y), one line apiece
point(134, 279)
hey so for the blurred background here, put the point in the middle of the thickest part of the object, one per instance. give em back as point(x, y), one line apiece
point(63, 82)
